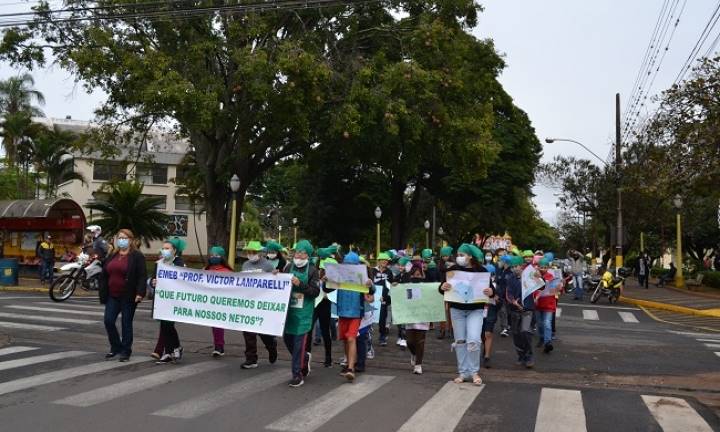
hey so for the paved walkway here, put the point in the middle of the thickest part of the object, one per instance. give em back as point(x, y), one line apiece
point(672, 299)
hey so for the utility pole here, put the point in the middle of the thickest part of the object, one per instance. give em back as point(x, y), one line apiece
point(618, 165)
point(434, 228)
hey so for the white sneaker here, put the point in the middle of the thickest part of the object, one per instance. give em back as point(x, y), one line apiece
point(165, 359)
point(402, 343)
point(371, 354)
point(177, 354)
point(412, 360)
point(343, 362)
point(417, 370)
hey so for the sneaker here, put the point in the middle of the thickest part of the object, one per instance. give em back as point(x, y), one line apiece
point(155, 355)
point(486, 362)
point(548, 347)
point(124, 358)
point(412, 360)
point(328, 362)
point(504, 333)
point(296, 382)
point(383, 342)
point(343, 371)
point(349, 375)
point(272, 355)
point(111, 355)
point(218, 351)
point(530, 364)
point(249, 365)
point(343, 362)
point(417, 370)
point(402, 343)
point(165, 359)
point(371, 354)
point(177, 354)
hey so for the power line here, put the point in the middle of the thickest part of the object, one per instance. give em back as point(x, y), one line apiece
point(698, 45)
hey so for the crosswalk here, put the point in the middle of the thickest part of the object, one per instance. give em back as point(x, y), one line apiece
point(444, 406)
point(713, 344)
point(599, 314)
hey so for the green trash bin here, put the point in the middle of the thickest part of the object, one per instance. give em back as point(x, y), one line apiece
point(8, 271)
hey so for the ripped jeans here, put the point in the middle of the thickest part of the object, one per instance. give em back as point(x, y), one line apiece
point(467, 328)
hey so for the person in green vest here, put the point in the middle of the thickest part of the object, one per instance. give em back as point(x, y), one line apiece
point(305, 287)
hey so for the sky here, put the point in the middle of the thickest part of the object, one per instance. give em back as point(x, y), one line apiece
point(566, 60)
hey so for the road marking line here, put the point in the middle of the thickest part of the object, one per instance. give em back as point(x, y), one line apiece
point(598, 306)
point(453, 400)
point(560, 411)
point(558, 313)
point(91, 307)
point(712, 346)
point(590, 314)
point(18, 297)
point(62, 375)
point(224, 396)
point(12, 364)
point(319, 411)
point(675, 414)
point(124, 388)
point(15, 349)
point(58, 310)
point(47, 318)
point(14, 325)
point(717, 354)
point(628, 317)
point(709, 340)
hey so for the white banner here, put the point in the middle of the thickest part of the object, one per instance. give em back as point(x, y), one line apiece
point(256, 302)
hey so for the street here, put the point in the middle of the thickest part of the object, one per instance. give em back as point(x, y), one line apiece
point(613, 368)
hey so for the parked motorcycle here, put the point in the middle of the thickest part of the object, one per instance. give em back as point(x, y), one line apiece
point(84, 273)
point(609, 286)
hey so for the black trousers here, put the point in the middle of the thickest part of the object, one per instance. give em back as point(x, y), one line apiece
point(169, 336)
point(322, 313)
point(251, 354)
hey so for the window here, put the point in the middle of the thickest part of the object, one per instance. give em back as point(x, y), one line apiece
point(108, 170)
point(151, 174)
point(163, 201)
point(182, 202)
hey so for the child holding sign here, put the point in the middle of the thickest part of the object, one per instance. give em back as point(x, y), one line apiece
point(545, 305)
point(415, 333)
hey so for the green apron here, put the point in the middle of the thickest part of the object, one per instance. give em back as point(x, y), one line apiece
point(300, 310)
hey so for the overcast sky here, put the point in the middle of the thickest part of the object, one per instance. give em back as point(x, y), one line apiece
point(566, 59)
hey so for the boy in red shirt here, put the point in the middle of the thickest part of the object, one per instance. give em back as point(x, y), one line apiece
point(545, 305)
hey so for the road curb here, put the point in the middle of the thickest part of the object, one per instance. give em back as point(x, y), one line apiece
point(22, 289)
point(671, 307)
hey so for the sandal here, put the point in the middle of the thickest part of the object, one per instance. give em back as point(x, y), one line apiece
point(476, 380)
point(459, 380)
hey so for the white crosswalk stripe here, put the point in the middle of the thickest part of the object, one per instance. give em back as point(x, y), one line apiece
point(124, 388)
point(15, 349)
point(27, 361)
point(709, 340)
point(224, 396)
point(452, 400)
point(47, 318)
point(97, 307)
point(316, 413)
point(560, 411)
point(62, 375)
point(675, 414)
point(628, 317)
point(56, 310)
point(717, 354)
point(712, 346)
point(590, 314)
point(24, 326)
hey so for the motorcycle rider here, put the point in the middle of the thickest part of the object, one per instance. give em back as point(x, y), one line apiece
point(99, 245)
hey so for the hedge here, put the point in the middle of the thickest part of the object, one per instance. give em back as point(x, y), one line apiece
point(711, 279)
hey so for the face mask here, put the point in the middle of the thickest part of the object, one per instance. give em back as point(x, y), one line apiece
point(122, 243)
point(272, 256)
point(254, 258)
point(214, 260)
point(461, 260)
point(488, 258)
point(166, 254)
point(395, 270)
point(408, 267)
point(300, 262)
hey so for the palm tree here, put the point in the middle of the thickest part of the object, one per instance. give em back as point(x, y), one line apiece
point(126, 207)
point(51, 157)
point(16, 108)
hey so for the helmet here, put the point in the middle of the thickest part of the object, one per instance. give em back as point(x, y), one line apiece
point(94, 229)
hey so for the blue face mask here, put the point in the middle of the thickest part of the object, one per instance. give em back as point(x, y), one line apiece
point(166, 254)
point(214, 260)
point(122, 243)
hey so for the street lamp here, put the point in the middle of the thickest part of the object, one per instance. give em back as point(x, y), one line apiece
point(427, 234)
point(378, 215)
point(679, 279)
point(280, 234)
point(294, 221)
point(234, 187)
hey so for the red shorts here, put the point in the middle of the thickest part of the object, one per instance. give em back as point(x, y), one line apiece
point(348, 328)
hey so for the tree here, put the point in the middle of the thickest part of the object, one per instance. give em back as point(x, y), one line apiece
point(51, 156)
point(124, 206)
point(16, 107)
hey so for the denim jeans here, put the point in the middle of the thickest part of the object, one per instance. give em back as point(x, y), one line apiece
point(46, 270)
point(296, 345)
point(114, 307)
point(544, 325)
point(467, 328)
point(578, 280)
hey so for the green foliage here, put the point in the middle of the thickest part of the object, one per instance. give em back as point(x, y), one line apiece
point(16, 109)
point(125, 207)
point(50, 152)
point(711, 279)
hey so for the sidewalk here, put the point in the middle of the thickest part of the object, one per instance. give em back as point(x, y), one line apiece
point(672, 299)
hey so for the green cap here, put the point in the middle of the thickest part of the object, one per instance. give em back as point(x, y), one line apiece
point(544, 262)
point(527, 253)
point(253, 246)
point(403, 261)
point(304, 246)
point(383, 256)
point(323, 253)
point(516, 261)
point(472, 250)
point(327, 261)
point(446, 251)
point(217, 250)
point(426, 253)
point(178, 243)
point(273, 246)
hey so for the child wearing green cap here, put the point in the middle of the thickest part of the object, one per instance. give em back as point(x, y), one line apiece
point(521, 314)
point(217, 262)
point(168, 347)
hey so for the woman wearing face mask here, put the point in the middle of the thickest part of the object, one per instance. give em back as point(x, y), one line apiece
point(274, 255)
point(255, 262)
point(122, 287)
point(169, 341)
point(416, 332)
point(217, 262)
point(467, 318)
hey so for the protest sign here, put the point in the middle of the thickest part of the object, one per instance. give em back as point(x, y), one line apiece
point(255, 302)
point(351, 277)
point(417, 303)
point(553, 286)
point(467, 287)
point(531, 281)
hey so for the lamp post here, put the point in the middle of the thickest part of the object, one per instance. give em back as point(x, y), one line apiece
point(234, 187)
point(441, 233)
point(378, 215)
point(294, 221)
point(427, 234)
point(679, 279)
point(280, 234)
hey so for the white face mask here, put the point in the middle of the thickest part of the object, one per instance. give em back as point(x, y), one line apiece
point(461, 260)
point(408, 267)
point(300, 262)
point(254, 258)
point(488, 258)
point(272, 255)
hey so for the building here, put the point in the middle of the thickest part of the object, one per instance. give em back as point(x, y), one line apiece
point(165, 153)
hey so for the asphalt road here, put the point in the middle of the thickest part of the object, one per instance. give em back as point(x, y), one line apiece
point(613, 369)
